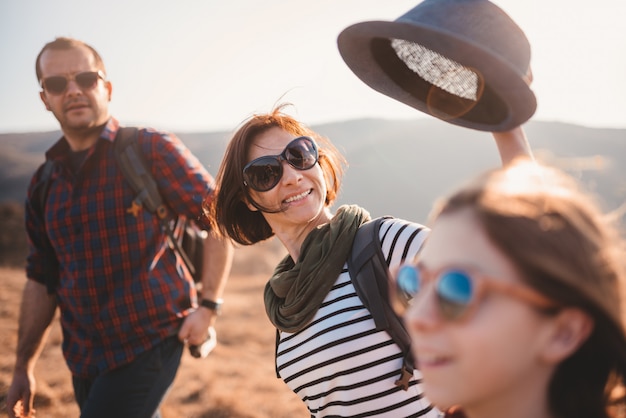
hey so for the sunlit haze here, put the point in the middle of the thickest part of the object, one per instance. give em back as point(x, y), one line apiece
point(204, 65)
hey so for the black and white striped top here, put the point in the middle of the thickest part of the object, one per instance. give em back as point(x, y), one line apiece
point(339, 365)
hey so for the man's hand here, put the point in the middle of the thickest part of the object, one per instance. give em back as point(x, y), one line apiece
point(20, 395)
point(195, 326)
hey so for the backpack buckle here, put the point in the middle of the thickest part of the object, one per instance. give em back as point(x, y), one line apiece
point(405, 377)
point(135, 208)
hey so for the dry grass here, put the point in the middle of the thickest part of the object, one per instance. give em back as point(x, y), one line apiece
point(237, 380)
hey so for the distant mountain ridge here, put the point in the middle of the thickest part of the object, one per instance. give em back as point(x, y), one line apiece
point(396, 167)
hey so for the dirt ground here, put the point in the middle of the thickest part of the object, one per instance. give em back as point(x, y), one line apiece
point(237, 380)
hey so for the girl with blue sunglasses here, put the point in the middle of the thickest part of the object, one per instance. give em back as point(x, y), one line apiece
point(514, 301)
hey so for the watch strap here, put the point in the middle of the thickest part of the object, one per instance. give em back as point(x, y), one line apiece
point(214, 305)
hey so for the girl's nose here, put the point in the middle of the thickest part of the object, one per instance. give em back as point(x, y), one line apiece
point(423, 314)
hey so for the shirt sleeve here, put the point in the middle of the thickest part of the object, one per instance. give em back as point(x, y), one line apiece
point(41, 262)
point(401, 240)
point(183, 181)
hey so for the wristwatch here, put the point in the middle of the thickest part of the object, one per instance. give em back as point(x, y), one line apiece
point(214, 305)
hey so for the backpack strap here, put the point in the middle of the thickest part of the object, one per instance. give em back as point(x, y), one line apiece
point(369, 273)
point(136, 171)
point(43, 186)
point(366, 265)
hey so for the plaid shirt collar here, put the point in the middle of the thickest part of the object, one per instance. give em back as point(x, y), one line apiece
point(61, 148)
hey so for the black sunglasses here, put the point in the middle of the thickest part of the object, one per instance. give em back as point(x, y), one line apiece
point(57, 84)
point(263, 173)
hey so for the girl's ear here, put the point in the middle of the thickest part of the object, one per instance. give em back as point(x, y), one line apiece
point(570, 329)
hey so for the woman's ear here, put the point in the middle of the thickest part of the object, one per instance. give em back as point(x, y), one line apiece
point(250, 206)
point(570, 329)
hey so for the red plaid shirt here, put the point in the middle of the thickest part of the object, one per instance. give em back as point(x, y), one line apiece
point(121, 290)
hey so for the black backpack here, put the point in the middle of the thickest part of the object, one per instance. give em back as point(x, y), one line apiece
point(369, 273)
point(185, 237)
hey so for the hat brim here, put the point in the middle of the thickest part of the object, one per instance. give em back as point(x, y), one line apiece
point(506, 101)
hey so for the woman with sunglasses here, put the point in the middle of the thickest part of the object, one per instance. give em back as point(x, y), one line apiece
point(278, 177)
point(514, 302)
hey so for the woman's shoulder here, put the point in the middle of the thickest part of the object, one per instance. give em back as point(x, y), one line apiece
point(397, 225)
point(401, 239)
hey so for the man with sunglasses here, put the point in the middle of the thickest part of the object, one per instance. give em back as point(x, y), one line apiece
point(127, 302)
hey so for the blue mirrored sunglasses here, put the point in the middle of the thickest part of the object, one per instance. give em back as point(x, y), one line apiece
point(458, 291)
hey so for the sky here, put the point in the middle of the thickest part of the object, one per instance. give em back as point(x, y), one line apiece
point(206, 65)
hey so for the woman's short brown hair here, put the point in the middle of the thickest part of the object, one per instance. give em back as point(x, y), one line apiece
point(228, 212)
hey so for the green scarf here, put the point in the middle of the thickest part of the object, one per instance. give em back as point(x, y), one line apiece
point(296, 290)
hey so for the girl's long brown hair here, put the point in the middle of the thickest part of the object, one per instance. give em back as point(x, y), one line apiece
point(568, 250)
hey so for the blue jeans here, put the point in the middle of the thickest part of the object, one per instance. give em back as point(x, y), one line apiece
point(134, 390)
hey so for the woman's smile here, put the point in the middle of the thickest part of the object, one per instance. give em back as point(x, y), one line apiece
point(299, 196)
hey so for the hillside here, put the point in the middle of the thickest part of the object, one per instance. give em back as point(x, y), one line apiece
point(396, 167)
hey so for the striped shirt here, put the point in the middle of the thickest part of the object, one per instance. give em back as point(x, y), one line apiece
point(339, 365)
point(121, 289)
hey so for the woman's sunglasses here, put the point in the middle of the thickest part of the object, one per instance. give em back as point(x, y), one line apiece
point(264, 173)
point(458, 291)
point(58, 84)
